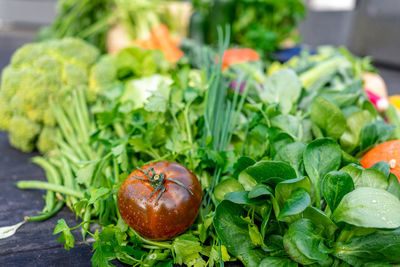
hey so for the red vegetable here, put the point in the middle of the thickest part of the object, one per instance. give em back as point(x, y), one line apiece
point(160, 200)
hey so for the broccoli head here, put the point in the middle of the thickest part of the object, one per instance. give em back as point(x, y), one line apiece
point(41, 73)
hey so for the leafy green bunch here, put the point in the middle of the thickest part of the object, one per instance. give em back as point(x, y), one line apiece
point(278, 163)
point(261, 25)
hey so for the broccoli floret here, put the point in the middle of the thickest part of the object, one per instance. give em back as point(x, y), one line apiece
point(41, 73)
point(46, 141)
point(23, 133)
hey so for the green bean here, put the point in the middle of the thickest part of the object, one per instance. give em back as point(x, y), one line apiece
point(81, 120)
point(84, 107)
point(66, 129)
point(47, 215)
point(86, 224)
point(53, 175)
point(49, 186)
point(68, 178)
point(51, 178)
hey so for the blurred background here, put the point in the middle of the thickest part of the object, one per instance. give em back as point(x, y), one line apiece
point(366, 27)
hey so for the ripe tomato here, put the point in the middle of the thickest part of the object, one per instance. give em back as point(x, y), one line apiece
point(160, 200)
point(388, 151)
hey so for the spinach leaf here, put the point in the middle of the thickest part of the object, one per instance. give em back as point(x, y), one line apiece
point(233, 231)
point(379, 246)
point(383, 167)
point(369, 207)
point(289, 124)
point(227, 186)
point(241, 164)
point(292, 154)
point(241, 197)
point(278, 262)
point(278, 139)
point(376, 132)
point(320, 157)
point(260, 190)
point(271, 172)
point(321, 220)
point(284, 189)
point(297, 203)
point(394, 185)
point(328, 117)
point(366, 177)
point(334, 186)
point(305, 245)
point(355, 123)
point(282, 87)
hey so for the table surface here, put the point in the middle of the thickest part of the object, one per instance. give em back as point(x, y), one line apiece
point(34, 244)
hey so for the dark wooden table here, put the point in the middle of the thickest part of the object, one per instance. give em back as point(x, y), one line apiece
point(34, 243)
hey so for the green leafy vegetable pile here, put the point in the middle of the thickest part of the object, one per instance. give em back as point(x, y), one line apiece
point(277, 158)
point(261, 25)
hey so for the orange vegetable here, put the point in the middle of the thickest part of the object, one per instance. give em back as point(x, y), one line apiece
point(238, 55)
point(388, 152)
point(161, 39)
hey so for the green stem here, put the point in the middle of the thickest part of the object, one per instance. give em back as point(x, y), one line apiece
point(48, 186)
point(152, 243)
point(188, 128)
point(345, 235)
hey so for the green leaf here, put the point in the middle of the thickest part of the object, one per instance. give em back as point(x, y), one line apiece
point(305, 245)
point(320, 157)
point(271, 172)
point(233, 231)
point(241, 197)
point(255, 235)
point(97, 194)
point(383, 167)
point(282, 87)
point(241, 164)
point(277, 262)
point(328, 117)
point(376, 132)
point(297, 203)
point(355, 123)
point(394, 185)
point(293, 155)
point(289, 124)
point(260, 190)
point(334, 186)
point(247, 181)
point(379, 246)
point(186, 249)
point(66, 235)
point(227, 186)
point(320, 219)
point(285, 189)
point(366, 177)
point(369, 207)
point(103, 253)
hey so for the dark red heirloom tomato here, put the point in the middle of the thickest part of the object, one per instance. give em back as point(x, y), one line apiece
point(160, 200)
